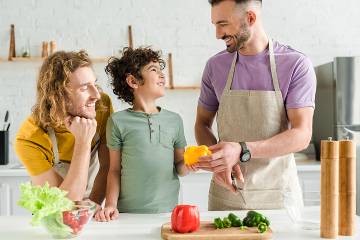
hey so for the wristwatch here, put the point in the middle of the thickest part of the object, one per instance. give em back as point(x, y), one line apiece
point(245, 154)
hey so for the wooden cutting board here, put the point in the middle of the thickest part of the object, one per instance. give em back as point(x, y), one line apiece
point(207, 231)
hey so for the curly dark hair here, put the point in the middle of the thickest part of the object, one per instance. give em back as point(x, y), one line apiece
point(131, 62)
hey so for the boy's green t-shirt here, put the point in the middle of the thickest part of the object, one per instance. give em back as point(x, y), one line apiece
point(149, 182)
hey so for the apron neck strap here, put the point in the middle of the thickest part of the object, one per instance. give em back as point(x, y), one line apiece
point(273, 66)
point(230, 76)
point(52, 136)
point(274, 77)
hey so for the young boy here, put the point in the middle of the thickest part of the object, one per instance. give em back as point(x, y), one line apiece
point(146, 142)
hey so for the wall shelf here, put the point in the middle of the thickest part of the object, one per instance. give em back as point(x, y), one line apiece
point(94, 60)
point(26, 59)
point(40, 59)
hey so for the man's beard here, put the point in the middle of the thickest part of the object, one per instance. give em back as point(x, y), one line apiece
point(240, 39)
point(71, 110)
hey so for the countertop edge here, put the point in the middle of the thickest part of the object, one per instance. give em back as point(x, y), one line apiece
point(13, 170)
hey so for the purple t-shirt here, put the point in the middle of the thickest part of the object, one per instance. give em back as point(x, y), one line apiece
point(295, 72)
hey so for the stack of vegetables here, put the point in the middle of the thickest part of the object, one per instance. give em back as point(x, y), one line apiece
point(252, 219)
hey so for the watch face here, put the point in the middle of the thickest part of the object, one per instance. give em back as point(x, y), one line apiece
point(246, 157)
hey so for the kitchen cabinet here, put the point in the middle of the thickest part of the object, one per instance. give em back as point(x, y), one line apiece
point(309, 178)
point(10, 179)
point(310, 185)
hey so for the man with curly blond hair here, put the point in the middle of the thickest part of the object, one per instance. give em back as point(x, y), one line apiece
point(59, 142)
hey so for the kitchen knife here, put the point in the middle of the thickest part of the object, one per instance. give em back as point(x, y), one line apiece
point(6, 119)
point(238, 189)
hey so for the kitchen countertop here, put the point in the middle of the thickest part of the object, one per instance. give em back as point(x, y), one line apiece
point(13, 170)
point(147, 226)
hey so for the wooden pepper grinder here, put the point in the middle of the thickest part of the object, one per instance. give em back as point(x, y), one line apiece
point(347, 187)
point(171, 77)
point(12, 51)
point(329, 202)
point(44, 52)
point(52, 47)
point(130, 37)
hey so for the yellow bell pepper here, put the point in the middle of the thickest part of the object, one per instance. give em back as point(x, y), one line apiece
point(192, 154)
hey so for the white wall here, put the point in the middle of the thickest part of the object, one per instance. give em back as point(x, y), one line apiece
point(321, 29)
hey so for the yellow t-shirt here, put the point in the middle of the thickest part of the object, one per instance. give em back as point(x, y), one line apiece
point(34, 148)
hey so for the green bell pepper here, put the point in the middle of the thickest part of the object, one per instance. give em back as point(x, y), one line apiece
point(235, 220)
point(227, 222)
point(218, 223)
point(262, 227)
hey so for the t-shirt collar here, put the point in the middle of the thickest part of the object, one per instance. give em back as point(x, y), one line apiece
point(144, 113)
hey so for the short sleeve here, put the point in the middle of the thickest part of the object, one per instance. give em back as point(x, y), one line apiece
point(113, 135)
point(108, 110)
point(208, 98)
point(33, 156)
point(302, 86)
point(180, 141)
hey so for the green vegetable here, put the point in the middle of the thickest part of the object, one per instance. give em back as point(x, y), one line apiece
point(54, 224)
point(218, 223)
point(226, 222)
point(266, 221)
point(237, 223)
point(251, 213)
point(253, 219)
point(262, 227)
point(250, 221)
point(246, 221)
point(235, 220)
point(232, 217)
point(43, 201)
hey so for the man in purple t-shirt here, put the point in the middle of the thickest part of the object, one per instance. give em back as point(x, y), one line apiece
point(263, 94)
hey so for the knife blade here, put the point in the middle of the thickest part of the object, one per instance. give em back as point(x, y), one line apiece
point(236, 187)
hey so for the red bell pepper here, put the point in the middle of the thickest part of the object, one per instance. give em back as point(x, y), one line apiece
point(185, 218)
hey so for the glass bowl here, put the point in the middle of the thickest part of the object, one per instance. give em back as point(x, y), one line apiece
point(69, 224)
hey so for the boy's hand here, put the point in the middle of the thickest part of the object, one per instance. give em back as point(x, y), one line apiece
point(107, 214)
point(191, 168)
point(97, 209)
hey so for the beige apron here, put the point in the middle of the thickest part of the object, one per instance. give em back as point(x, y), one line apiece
point(252, 115)
point(62, 167)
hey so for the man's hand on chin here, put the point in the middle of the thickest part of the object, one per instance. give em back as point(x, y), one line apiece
point(82, 128)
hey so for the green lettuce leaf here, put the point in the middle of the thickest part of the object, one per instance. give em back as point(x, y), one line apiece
point(43, 201)
point(54, 224)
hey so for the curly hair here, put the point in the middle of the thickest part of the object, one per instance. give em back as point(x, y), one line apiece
point(131, 62)
point(53, 86)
